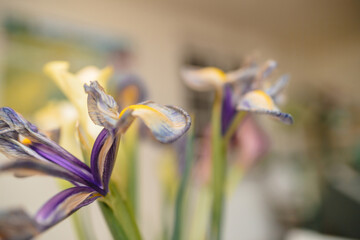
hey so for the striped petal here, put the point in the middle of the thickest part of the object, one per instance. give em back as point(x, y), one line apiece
point(102, 108)
point(64, 204)
point(24, 168)
point(12, 129)
point(12, 121)
point(103, 157)
point(259, 102)
point(13, 149)
point(166, 123)
point(26, 141)
point(64, 161)
point(204, 79)
point(16, 224)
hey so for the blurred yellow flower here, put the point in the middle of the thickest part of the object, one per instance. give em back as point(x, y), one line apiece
point(72, 85)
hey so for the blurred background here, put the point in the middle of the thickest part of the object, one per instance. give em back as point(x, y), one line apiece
point(306, 187)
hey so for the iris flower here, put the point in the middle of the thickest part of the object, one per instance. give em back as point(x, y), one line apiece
point(236, 93)
point(34, 153)
point(241, 90)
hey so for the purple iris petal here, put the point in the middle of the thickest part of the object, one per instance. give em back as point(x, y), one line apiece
point(64, 204)
point(104, 138)
point(109, 163)
point(41, 168)
point(59, 160)
point(99, 142)
point(82, 173)
point(53, 147)
point(14, 121)
point(228, 109)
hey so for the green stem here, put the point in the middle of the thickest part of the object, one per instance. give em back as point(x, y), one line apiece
point(132, 175)
point(200, 214)
point(180, 198)
point(130, 147)
point(115, 227)
point(218, 169)
point(122, 212)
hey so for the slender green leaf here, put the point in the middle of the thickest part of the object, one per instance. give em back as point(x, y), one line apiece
point(122, 212)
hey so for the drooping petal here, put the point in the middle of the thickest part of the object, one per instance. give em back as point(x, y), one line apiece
point(103, 157)
point(36, 145)
point(16, 150)
point(13, 149)
point(64, 204)
point(102, 108)
point(166, 123)
point(16, 224)
point(259, 102)
point(204, 79)
point(24, 168)
point(15, 122)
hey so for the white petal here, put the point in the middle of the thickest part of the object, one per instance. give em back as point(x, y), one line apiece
point(204, 79)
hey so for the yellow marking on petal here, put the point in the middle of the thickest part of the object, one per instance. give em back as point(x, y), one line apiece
point(96, 195)
point(140, 106)
point(212, 70)
point(266, 97)
point(26, 141)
